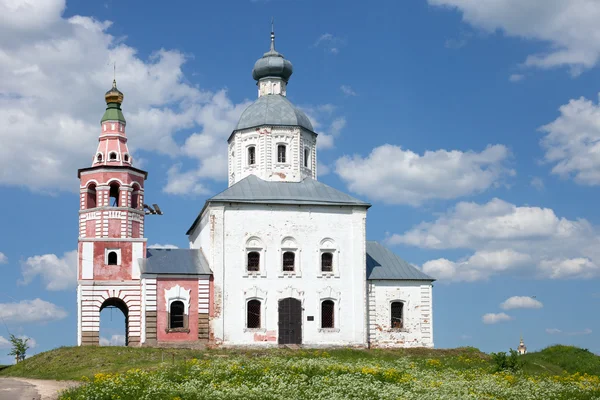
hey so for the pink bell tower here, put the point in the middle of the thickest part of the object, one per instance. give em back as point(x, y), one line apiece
point(111, 230)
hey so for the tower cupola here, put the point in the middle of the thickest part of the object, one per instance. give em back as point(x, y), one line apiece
point(272, 71)
point(114, 99)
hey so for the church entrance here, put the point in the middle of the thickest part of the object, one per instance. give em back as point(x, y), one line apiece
point(290, 321)
point(111, 323)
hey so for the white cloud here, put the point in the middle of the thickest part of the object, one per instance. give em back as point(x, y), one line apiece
point(115, 340)
point(507, 238)
point(516, 77)
point(58, 273)
point(53, 74)
point(554, 331)
point(520, 302)
point(326, 124)
point(30, 311)
point(330, 43)
point(3, 258)
point(4, 343)
point(322, 169)
point(537, 183)
point(492, 318)
point(162, 246)
point(572, 142)
point(568, 28)
point(397, 176)
point(347, 90)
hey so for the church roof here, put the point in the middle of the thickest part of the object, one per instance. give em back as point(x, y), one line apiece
point(383, 264)
point(175, 262)
point(273, 109)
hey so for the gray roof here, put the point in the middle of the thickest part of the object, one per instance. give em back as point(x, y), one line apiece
point(273, 109)
point(382, 263)
point(252, 189)
point(175, 262)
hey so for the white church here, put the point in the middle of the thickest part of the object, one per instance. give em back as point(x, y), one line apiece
point(278, 258)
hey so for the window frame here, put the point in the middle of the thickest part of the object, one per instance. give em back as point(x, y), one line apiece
point(323, 253)
point(333, 314)
point(260, 315)
point(307, 158)
point(253, 251)
point(183, 315)
point(283, 261)
point(285, 151)
point(403, 315)
point(249, 157)
point(107, 251)
point(328, 245)
point(113, 153)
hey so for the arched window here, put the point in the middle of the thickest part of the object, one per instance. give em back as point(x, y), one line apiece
point(135, 197)
point(251, 155)
point(289, 259)
point(114, 194)
point(126, 158)
point(327, 262)
point(253, 314)
point(397, 314)
point(327, 314)
point(99, 157)
point(113, 259)
point(281, 153)
point(306, 156)
point(253, 261)
point(91, 196)
point(176, 317)
point(112, 156)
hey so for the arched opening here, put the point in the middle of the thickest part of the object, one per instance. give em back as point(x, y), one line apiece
point(113, 258)
point(114, 323)
point(327, 314)
point(135, 196)
point(281, 153)
point(289, 259)
point(126, 158)
point(253, 261)
point(177, 315)
point(397, 315)
point(99, 157)
point(91, 196)
point(253, 314)
point(327, 262)
point(114, 194)
point(112, 156)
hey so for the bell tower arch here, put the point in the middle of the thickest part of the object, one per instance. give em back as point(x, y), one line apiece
point(111, 228)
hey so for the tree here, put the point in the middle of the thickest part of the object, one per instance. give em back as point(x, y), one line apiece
point(19, 347)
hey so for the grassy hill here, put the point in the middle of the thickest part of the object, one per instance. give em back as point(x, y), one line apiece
point(557, 372)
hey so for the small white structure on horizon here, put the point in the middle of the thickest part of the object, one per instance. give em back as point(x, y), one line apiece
point(522, 349)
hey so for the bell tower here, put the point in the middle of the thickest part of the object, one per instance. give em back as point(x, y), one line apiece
point(111, 229)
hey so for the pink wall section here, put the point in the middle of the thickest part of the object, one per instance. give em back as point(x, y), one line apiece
point(162, 317)
point(102, 271)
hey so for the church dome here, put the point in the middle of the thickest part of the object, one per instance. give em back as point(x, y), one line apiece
point(273, 109)
point(272, 65)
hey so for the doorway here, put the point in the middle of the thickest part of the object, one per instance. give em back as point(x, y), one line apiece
point(290, 321)
point(114, 316)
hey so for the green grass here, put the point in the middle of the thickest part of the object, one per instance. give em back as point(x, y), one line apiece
point(67, 363)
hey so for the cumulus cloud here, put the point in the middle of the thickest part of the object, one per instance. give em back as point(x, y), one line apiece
point(568, 28)
point(326, 124)
point(53, 73)
point(58, 273)
point(5, 343)
point(537, 183)
point(347, 90)
point(396, 176)
point(3, 258)
point(329, 43)
point(162, 246)
point(492, 318)
point(572, 142)
point(31, 311)
point(520, 302)
point(115, 340)
point(507, 238)
point(555, 331)
point(516, 77)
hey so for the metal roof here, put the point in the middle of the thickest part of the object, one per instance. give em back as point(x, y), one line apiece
point(252, 189)
point(175, 262)
point(273, 109)
point(382, 263)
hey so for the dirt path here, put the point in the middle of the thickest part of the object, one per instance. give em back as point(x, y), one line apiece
point(32, 389)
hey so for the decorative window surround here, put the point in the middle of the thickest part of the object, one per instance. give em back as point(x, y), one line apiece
point(288, 244)
point(328, 245)
point(177, 293)
point(108, 251)
point(334, 295)
point(254, 243)
point(256, 293)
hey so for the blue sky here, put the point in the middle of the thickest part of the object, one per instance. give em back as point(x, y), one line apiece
point(472, 127)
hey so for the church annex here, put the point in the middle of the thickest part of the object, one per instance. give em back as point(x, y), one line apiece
point(276, 258)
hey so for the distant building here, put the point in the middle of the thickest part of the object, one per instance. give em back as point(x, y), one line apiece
point(276, 258)
point(522, 349)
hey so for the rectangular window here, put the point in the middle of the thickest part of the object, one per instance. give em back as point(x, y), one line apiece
point(253, 264)
point(251, 155)
point(326, 262)
point(289, 259)
point(281, 153)
point(306, 156)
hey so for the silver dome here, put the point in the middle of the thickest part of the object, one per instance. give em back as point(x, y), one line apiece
point(273, 109)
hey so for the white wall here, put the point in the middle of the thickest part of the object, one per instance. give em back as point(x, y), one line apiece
point(418, 318)
point(308, 226)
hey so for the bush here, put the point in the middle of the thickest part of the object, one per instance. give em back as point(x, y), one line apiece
point(504, 362)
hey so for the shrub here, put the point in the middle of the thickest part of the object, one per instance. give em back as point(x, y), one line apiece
point(504, 362)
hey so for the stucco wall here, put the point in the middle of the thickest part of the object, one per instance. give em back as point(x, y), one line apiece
point(308, 226)
point(417, 324)
point(190, 285)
